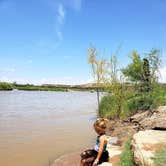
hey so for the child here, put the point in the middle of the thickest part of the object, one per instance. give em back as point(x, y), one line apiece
point(99, 154)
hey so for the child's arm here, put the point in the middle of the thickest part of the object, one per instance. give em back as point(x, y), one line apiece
point(102, 143)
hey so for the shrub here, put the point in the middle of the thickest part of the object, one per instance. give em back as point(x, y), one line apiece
point(5, 86)
point(159, 96)
point(129, 107)
point(108, 107)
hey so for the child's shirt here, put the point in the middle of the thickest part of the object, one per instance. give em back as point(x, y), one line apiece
point(97, 145)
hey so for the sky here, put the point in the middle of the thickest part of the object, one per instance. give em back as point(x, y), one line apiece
point(46, 41)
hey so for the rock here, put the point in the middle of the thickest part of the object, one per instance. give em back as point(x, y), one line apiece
point(161, 109)
point(156, 121)
point(73, 159)
point(114, 154)
point(122, 130)
point(145, 143)
point(111, 141)
point(140, 116)
point(151, 120)
point(105, 164)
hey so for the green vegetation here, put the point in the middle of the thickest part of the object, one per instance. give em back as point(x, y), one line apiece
point(142, 73)
point(5, 86)
point(160, 157)
point(108, 106)
point(48, 87)
point(127, 158)
point(132, 102)
point(29, 87)
point(99, 67)
point(132, 88)
point(159, 95)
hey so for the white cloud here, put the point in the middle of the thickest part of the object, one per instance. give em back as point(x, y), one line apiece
point(61, 13)
point(61, 7)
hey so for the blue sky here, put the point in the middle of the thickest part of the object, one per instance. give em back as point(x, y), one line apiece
point(46, 41)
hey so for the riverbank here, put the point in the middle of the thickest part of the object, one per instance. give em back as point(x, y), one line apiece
point(147, 131)
point(47, 87)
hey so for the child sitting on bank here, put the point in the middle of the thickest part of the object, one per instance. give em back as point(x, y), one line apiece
point(93, 157)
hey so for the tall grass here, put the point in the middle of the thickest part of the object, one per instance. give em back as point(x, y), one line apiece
point(159, 96)
point(108, 106)
point(127, 158)
point(132, 103)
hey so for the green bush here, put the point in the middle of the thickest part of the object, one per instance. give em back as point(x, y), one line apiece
point(159, 96)
point(5, 86)
point(108, 107)
point(132, 103)
point(126, 158)
point(160, 157)
point(129, 107)
point(147, 101)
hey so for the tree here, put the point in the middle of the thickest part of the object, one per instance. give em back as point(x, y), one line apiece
point(144, 74)
point(146, 80)
point(106, 75)
point(134, 70)
point(154, 58)
point(99, 69)
point(116, 85)
point(145, 70)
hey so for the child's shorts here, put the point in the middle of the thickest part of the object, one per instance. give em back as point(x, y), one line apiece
point(93, 153)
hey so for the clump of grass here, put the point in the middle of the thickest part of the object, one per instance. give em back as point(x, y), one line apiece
point(126, 158)
point(108, 106)
point(159, 96)
point(112, 106)
point(160, 157)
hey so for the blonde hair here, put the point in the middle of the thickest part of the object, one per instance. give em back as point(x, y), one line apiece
point(101, 124)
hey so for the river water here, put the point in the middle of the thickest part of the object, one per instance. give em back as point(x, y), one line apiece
point(38, 127)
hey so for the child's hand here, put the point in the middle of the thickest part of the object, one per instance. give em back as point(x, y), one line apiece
point(95, 162)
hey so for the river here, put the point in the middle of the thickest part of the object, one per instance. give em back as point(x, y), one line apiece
point(38, 127)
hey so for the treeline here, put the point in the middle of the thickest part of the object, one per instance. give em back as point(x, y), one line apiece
point(64, 88)
point(46, 87)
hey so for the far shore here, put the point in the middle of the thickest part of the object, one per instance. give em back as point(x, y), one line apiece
point(4, 86)
point(91, 87)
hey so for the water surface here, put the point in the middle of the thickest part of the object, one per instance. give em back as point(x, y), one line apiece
point(36, 127)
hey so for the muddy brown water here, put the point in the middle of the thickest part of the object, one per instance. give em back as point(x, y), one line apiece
point(38, 127)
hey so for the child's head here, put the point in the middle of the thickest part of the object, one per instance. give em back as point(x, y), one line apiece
point(100, 125)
